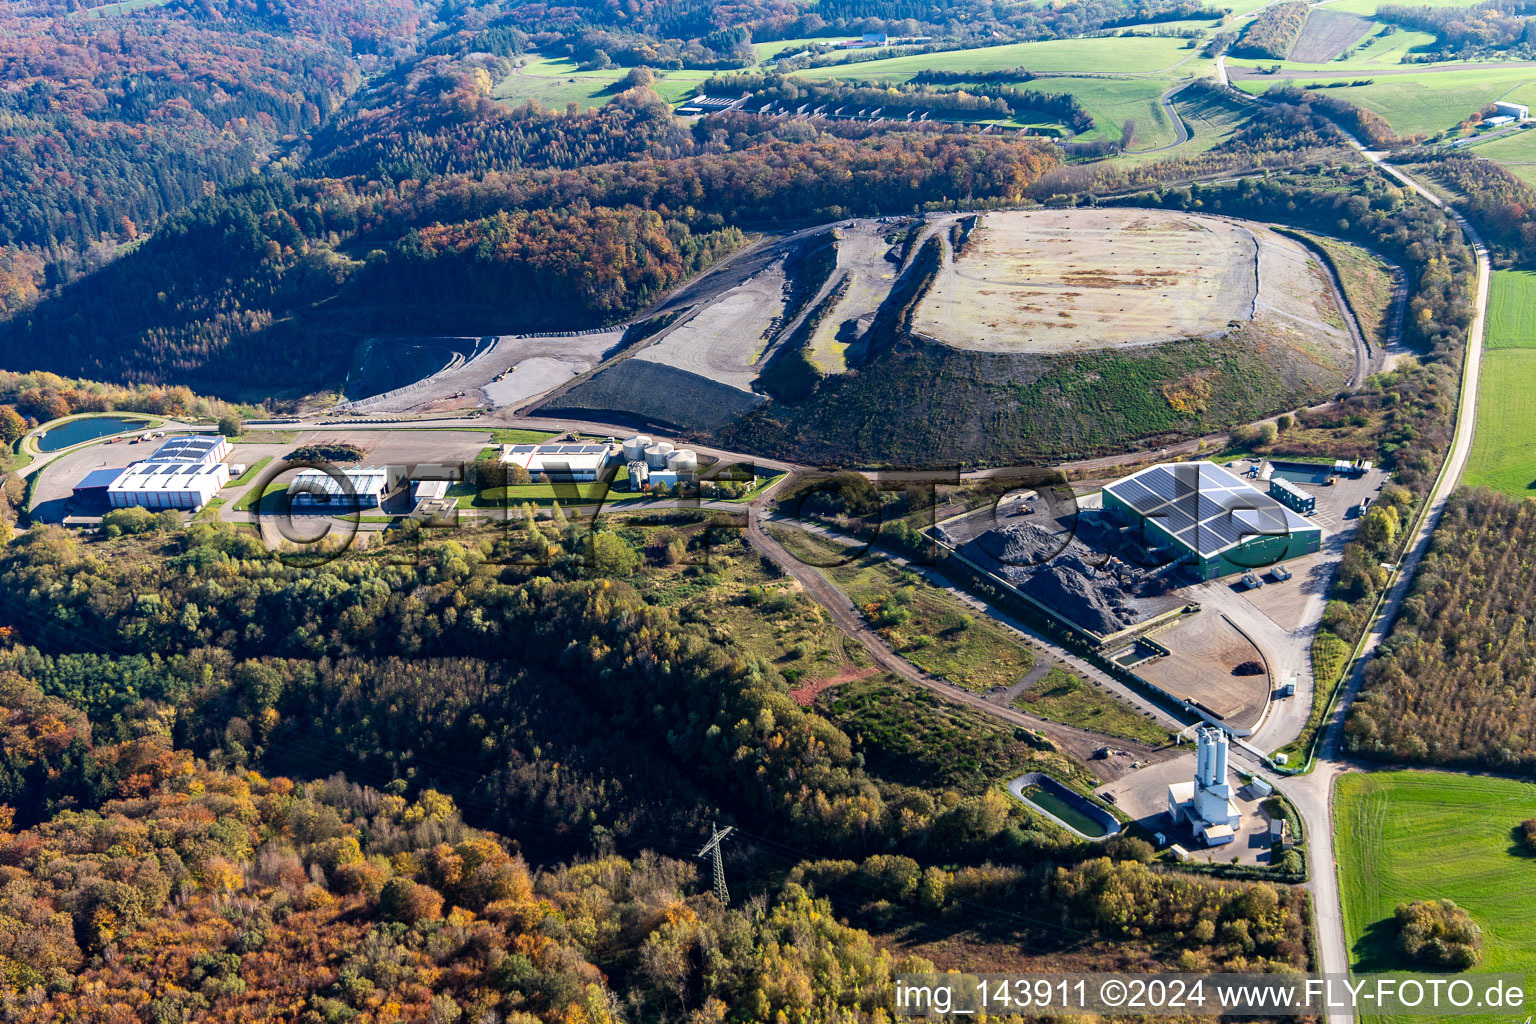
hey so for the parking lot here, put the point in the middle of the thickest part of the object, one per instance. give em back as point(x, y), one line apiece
point(1336, 502)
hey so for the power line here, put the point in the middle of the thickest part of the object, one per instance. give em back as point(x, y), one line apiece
point(713, 847)
point(465, 781)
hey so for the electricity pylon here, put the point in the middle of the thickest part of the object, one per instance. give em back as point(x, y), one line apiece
point(713, 846)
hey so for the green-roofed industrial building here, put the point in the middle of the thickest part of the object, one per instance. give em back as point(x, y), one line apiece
point(1210, 519)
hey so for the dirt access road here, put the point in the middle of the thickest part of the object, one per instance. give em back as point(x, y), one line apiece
point(1078, 742)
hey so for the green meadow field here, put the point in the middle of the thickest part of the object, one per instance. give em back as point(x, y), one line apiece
point(1385, 49)
point(1149, 66)
point(1516, 151)
point(556, 82)
point(1422, 103)
point(1504, 448)
point(770, 50)
point(1119, 55)
point(1112, 101)
point(1366, 8)
point(1410, 835)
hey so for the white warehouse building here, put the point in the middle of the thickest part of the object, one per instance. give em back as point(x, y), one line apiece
point(163, 485)
point(184, 473)
point(582, 463)
point(202, 448)
point(345, 488)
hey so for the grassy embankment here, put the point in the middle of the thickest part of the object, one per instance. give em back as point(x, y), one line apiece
point(1367, 283)
point(1060, 696)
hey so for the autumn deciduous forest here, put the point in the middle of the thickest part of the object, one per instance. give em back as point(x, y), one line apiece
point(1456, 684)
point(520, 678)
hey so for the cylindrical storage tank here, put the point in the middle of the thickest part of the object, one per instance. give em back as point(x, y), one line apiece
point(634, 448)
point(656, 454)
point(684, 460)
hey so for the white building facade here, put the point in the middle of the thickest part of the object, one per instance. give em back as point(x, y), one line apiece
point(162, 485)
point(183, 473)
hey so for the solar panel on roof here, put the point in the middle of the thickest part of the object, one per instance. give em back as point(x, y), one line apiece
point(1206, 506)
point(1145, 502)
point(1160, 484)
point(1133, 492)
point(1175, 518)
point(1230, 501)
point(1221, 532)
point(1212, 476)
point(1263, 520)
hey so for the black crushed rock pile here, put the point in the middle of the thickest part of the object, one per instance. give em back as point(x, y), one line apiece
point(1061, 573)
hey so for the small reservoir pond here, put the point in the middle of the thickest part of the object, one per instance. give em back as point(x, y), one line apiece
point(1073, 810)
point(87, 429)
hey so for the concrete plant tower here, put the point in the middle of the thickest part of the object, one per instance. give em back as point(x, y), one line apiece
point(1213, 793)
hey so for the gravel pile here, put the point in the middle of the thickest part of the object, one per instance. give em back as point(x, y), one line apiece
point(1060, 573)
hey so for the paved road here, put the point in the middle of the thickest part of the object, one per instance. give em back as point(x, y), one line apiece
point(1180, 129)
point(1247, 73)
point(1313, 793)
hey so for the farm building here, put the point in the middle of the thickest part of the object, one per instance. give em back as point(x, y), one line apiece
point(347, 488)
point(1206, 804)
point(1210, 519)
point(559, 462)
point(1291, 496)
point(1513, 111)
point(161, 485)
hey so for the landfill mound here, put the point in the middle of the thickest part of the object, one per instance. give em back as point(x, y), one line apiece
point(1066, 576)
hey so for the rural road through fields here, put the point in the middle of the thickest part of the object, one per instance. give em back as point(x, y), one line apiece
point(1313, 793)
point(1242, 71)
point(1180, 129)
point(1318, 785)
